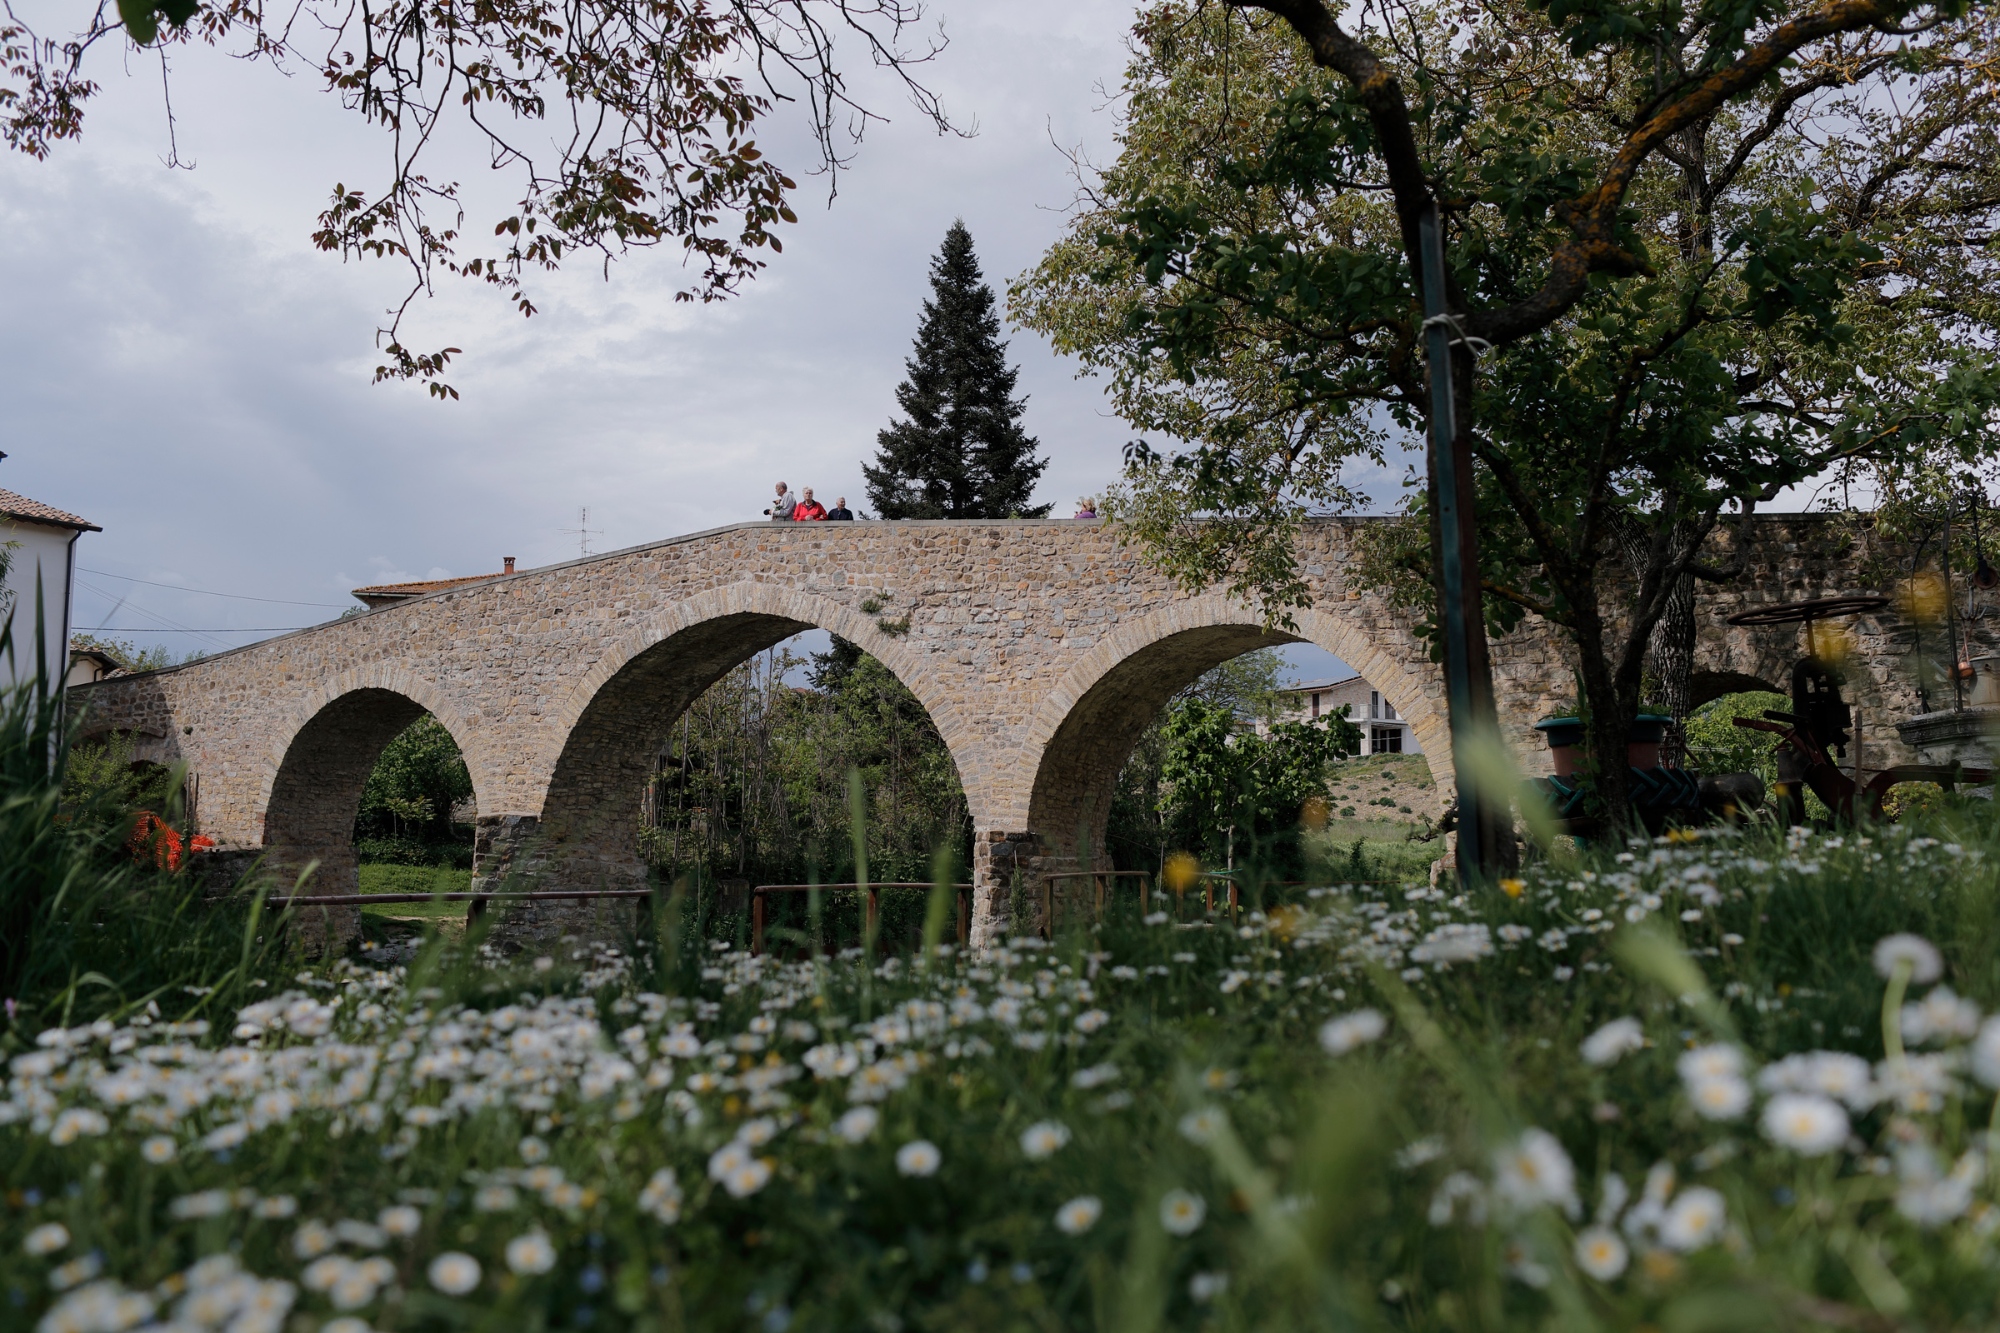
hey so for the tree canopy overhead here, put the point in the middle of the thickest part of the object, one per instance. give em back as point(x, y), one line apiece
point(1696, 254)
point(621, 124)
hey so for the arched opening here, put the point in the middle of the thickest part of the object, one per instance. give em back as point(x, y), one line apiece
point(1105, 791)
point(316, 796)
point(709, 757)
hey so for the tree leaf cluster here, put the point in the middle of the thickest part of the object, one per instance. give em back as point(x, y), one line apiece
point(617, 125)
point(1691, 264)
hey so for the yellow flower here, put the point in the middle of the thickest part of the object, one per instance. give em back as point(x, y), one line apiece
point(1181, 872)
point(1513, 888)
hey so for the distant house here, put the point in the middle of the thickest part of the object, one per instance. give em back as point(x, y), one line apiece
point(87, 665)
point(1382, 731)
point(39, 543)
point(388, 594)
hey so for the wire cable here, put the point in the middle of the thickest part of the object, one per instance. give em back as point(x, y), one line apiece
point(177, 629)
point(241, 597)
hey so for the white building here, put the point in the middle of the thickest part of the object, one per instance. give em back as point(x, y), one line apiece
point(38, 544)
point(1382, 732)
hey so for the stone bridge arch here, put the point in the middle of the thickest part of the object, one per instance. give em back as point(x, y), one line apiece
point(322, 749)
point(1087, 725)
point(613, 721)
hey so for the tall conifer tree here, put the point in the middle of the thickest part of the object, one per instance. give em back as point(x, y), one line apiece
point(960, 452)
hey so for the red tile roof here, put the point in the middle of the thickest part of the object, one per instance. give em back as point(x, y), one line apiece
point(384, 594)
point(21, 508)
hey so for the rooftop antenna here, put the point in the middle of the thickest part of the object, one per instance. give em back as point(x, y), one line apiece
point(583, 532)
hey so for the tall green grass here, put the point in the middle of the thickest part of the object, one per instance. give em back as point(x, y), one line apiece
point(86, 930)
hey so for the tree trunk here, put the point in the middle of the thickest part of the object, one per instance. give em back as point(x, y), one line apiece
point(1669, 661)
point(1608, 711)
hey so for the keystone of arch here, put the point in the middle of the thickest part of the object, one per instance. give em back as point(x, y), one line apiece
point(1342, 636)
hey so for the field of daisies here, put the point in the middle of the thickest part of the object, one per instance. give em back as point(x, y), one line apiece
point(1734, 1080)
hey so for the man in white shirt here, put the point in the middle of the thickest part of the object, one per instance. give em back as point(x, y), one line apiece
point(782, 507)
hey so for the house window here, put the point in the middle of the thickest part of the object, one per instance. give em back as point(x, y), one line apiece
point(1385, 740)
point(1315, 705)
point(1374, 703)
point(1388, 709)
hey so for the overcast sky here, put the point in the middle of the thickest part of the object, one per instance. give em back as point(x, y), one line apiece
point(183, 368)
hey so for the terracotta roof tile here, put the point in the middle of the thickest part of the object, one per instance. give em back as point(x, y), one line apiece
point(423, 586)
point(34, 511)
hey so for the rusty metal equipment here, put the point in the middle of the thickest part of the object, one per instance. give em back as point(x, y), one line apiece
point(1820, 720)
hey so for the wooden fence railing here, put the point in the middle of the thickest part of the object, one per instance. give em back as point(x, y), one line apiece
point(962, 892)
point(475, 902)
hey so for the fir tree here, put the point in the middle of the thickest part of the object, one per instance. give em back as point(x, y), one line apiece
point(960, 452)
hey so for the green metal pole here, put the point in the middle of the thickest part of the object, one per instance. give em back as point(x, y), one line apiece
point(1459, 615)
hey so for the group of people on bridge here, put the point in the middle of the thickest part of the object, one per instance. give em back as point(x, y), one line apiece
point(802, 508)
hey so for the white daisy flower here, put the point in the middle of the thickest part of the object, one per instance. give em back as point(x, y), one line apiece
point(1805, 1122)
point(1044, 1139)
point(1338, 1036)
point(1940, 1016)
point(661, 1198)
point(1705, 1062)
point(746, 1178)
point(1719, 1098)
point(1533, 1171)
point(919, 1157)
point(1986, 1054)
point(312, 1239)
point(46, 1239)
point(400, 1220)
point(1694, 1219)
point(1079, 1214)
point(857, 1124)
point(1601, 1253)
point(159, 1150)
point(532, 1253)
point(1917, 956)
point(1181, 1213)
point(1612, 1042)
point(1205, 1287)
point(453, 1273)
point(75, 1123)
point(1202, 1125)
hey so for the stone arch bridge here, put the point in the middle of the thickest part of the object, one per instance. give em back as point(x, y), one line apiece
point(1041, 648)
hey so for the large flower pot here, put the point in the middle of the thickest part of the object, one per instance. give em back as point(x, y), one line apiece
point(1565, 736)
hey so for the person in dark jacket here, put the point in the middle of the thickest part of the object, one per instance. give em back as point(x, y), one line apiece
point(840, 513)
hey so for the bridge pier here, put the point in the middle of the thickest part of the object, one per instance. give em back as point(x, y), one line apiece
point(523, 853)
point(1006, 898)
